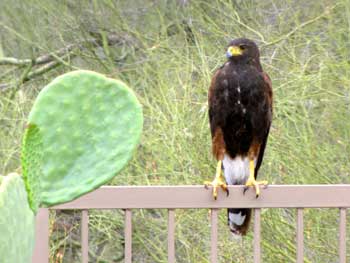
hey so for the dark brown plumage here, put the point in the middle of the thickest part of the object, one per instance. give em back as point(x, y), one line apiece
point(240, 113)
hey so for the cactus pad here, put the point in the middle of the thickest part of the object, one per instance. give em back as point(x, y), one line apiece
point(82, 130)
point(16, 221)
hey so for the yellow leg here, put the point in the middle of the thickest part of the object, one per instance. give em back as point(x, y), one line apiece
point(251, 180)
point(218, 181)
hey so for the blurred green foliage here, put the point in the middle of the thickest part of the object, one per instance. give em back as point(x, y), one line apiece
point(168, 51)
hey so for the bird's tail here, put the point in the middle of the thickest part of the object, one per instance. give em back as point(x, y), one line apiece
point(238, 220)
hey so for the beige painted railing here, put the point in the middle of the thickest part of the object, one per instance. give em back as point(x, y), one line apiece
point(174, 197)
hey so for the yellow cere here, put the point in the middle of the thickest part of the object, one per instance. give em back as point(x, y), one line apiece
point(235, 50)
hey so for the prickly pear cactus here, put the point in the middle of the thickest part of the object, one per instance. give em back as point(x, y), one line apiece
point(32, 164)
point(82, 130)
point(16, 221)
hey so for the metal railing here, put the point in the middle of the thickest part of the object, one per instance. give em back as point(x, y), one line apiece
point(185, 197)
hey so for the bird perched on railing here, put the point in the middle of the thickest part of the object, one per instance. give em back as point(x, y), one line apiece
point(240, 113)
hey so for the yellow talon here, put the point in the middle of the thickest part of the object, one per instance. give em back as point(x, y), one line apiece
point(251, 180)
point(218, 181)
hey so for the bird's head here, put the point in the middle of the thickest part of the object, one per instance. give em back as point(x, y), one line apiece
point(242, 49)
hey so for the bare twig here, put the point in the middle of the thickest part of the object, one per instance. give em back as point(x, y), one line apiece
point(14, 61)
point(42, 70)
point(111, 40)
point(30, 75)
point(54, 59)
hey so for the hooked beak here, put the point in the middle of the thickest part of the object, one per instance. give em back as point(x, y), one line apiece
point(233, 51)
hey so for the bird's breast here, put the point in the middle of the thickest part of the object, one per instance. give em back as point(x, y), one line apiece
point(241, 90)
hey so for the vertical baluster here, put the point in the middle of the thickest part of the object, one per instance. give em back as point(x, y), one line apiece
point(128, 236)
point(214, 236)
point(300, 236)
point(342, 235)
point(171, 236)
point(85, 236)
point(257, 250)
point(41, 251)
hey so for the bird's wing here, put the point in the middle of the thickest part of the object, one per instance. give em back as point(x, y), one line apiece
point(269, 97)
point(218, 144)
point(211, 103)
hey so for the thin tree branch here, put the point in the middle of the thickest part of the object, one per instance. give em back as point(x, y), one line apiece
point(112, 39)
point(47, 62)
point(14, 61)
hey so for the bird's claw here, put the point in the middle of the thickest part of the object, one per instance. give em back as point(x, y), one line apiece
point(245, 189)
point(256, 185)
point(217, 183)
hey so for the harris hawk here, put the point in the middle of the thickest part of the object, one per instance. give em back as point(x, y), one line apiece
point(240, 114)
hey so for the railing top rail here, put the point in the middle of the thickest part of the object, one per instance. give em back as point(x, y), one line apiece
point(196, 196)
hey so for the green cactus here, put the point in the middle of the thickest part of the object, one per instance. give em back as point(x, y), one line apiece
point(82, 130)
point(16, 221)
point(33, 163)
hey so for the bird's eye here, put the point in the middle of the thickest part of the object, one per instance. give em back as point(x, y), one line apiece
point(242, 47)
